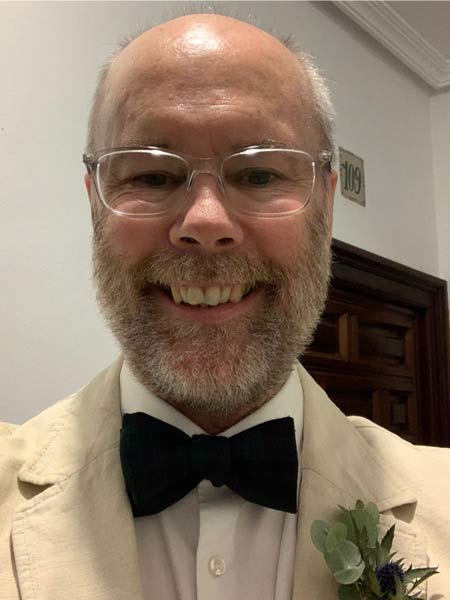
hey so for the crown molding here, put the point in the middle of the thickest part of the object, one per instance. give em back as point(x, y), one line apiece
point(392, 31)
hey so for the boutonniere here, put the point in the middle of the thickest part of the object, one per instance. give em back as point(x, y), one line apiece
point(363, 566)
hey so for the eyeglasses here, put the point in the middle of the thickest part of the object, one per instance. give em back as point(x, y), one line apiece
point(146, 182)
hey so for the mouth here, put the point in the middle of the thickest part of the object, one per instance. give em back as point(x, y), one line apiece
point(207, 296)
point(211, 305)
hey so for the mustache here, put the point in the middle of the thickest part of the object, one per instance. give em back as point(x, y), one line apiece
point(167, 267)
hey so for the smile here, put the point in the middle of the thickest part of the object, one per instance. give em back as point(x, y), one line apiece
point(207, 296)
point(201, 305)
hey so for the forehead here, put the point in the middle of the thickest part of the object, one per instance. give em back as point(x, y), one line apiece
point(176, 91)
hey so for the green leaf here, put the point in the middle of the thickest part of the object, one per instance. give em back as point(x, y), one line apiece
point(374, 584)
point(401, 564)
point(359, 504)
point(367, 553)
point(319, 533)
point(381, 559)
point(345, 562)
point(347, 576)
point(336, 534)
point(348, 592)
point(365, 519)
point(413, 574)
point(386, 545)
point(372, 509)
point(399, 589)
point(372, 561)
point(364, 542)
point(347, 520)
point(432, 571)
point(391, 556)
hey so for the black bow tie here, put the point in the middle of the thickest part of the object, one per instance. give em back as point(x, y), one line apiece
point(161, 464)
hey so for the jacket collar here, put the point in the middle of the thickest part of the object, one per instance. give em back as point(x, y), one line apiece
point(334, 449)
point(80, 428)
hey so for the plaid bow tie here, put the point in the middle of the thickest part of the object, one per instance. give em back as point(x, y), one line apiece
point(161, 464)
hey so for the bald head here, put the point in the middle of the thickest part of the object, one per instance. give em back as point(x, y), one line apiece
point(200, 59)
point(202, 41)
point(206, 32)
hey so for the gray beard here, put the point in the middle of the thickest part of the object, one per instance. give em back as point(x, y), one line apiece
point(216, 371)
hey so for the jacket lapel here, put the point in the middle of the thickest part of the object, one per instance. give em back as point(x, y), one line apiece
point(76, 537)
point(338, 467)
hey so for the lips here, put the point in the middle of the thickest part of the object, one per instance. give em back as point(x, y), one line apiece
point(205, 314)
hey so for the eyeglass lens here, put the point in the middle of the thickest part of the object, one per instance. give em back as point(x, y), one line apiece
point(258, 181)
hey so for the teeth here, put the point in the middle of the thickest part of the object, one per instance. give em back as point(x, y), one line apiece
point(176, 295)
point(195, 296)
point(225, 294)
point(236, 293)
point(211, 296)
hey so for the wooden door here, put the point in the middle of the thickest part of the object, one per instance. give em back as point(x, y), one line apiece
point(381, 350)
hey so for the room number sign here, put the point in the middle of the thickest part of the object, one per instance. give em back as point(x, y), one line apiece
point(351, 169)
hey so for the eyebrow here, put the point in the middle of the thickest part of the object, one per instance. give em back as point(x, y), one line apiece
point(263, 142)
point(141, 141)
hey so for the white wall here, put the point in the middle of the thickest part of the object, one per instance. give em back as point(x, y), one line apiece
point(53, 340)
point(440, 128)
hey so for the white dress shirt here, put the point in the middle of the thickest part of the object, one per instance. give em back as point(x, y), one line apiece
point(212, 544)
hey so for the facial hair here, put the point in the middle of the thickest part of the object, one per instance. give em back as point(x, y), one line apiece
point(215, 370)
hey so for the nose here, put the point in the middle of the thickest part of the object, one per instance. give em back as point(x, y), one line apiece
point(205, 223)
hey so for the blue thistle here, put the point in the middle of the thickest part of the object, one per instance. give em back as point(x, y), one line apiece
point(386, 577)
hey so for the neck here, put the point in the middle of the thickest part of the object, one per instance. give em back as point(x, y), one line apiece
point(217, 422)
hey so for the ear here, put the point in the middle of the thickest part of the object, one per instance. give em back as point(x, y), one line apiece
point(332, 182)
point(87, 183)
point(90, 193)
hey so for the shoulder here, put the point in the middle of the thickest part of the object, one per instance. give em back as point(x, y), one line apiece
point(6, 429)
point(375, 433)
point(19, 442)
point(66, 431)
point(82, 402)
point(425, 463)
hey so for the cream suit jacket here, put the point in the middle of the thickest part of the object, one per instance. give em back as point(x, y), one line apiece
point(67, 532)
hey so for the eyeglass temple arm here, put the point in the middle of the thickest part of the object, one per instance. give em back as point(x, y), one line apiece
point(326, 159)
point(88, 160)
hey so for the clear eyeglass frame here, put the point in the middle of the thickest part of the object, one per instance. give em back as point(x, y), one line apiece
point(196, 165)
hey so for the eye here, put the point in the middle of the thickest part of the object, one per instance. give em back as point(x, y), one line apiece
point(155, 179)
point(257, 177)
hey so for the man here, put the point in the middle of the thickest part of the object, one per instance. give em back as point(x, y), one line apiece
point(211, 192)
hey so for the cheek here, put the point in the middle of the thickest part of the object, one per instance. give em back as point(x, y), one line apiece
point(134, 240)
point(281, 240)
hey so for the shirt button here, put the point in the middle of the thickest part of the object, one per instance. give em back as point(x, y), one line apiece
point(216, 566)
